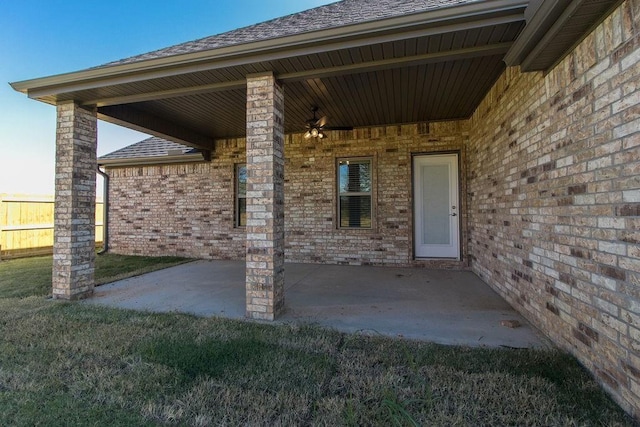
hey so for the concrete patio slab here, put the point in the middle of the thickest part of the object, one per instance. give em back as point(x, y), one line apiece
point(448, 307)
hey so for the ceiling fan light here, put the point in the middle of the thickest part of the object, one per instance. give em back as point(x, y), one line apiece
point(314, 132)
point(307, 135)
point(321, 135)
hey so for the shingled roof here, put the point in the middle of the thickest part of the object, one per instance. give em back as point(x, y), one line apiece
point(151, 149)
point(362, 62)
point(334, 15)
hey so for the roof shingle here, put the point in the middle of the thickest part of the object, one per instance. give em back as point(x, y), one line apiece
point(150, 147)
point(334, 15)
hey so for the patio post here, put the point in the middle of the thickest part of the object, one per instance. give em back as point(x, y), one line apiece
point(75, 202)
point(265, 197)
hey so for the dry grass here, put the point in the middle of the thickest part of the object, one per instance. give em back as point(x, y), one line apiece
point(76, 364)
point(32, 276)
point(79, 365)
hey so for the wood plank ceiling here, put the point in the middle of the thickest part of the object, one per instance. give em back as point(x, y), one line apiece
point(395, 89)
point(436, 75)
point(425, 66)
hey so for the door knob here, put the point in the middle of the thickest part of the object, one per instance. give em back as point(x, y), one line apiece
point(454, 214)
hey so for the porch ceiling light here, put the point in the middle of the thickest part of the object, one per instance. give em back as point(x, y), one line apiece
point(314, 132)
point(316, 126)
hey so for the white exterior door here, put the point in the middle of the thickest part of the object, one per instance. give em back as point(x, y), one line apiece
point(436, 210)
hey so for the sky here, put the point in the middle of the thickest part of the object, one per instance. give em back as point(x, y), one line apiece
point(40, 38)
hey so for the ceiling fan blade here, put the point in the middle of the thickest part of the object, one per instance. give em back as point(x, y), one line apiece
point(322, 121)
point(338, 127)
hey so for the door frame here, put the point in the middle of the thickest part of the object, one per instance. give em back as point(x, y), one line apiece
point(461, 215)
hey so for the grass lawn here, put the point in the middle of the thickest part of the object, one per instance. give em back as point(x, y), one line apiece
point(76, 364)
point(32, 276)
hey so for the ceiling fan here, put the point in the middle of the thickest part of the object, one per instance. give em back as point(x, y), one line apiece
point(316, 126)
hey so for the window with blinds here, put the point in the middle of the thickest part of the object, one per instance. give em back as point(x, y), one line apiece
point(354, 193)
point(241, 195)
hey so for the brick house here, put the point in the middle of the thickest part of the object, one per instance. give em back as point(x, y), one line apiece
point(440, 156)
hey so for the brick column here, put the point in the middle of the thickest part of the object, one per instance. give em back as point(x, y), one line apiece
point(74, 217)
point(265, 197)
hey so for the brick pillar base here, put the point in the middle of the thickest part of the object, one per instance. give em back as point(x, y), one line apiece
point(74, 215)
point(265, 197)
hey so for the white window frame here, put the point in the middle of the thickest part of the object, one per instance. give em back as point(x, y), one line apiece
point(238, 196)
point(339, 194)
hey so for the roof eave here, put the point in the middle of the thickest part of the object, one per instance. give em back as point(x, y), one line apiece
point(546, 14)
point(549, 20)
point(152, 160)
point(178, 64)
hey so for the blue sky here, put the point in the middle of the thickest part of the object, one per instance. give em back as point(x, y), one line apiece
point(40, 38)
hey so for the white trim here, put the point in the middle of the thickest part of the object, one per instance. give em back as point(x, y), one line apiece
point(443, 251)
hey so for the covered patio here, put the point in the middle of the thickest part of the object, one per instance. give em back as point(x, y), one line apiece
point(374, 66)
point(507, 129)
point(423, 67)
point(443, 306)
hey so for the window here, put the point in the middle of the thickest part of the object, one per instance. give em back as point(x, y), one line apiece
point(241, 195)
point(354, 193)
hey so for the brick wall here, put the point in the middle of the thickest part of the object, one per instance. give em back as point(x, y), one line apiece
point(176, 209)
point(551, 196)
point(554, 193)
point(312, 232)
point(188, 209)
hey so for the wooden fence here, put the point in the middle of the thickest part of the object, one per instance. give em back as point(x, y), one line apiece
point(26, 225)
